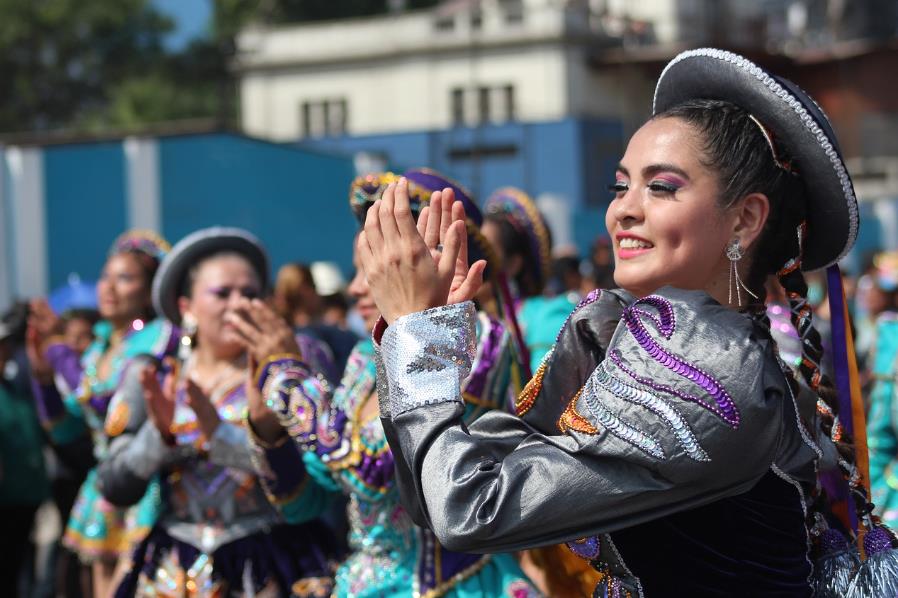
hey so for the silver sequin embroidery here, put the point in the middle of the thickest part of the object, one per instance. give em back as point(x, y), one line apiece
point(662, 408)
point(616, 425)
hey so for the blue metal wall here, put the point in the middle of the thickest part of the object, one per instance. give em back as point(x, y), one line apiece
point(294, 200)
point(85, 207)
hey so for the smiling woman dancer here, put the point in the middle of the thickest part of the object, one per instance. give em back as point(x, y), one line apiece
point(662, 437)
point(97, 531)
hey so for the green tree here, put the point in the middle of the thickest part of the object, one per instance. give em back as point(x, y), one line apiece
point(60, 58)
point(95, 65)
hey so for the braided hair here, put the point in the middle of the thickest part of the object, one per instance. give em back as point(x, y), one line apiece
point(739, 150)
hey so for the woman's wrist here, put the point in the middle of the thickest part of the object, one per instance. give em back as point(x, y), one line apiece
point(265, 426)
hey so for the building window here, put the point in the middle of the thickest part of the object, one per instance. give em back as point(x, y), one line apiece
point(482, 105)
point(476, 20)
point(324, 118)
point(458, 106)
point(512, 11)
point(508, 96)
point(444, 24)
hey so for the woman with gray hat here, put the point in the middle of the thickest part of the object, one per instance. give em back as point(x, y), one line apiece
point(217, 535)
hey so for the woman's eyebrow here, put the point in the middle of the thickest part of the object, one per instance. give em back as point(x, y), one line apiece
point(656, 168)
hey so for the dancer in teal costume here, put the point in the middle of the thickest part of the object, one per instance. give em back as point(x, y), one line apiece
point(521, 236)
point(98, 532)
point(339, 446)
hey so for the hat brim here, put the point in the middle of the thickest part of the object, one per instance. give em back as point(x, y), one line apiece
point(799, 126)
point(169, 280)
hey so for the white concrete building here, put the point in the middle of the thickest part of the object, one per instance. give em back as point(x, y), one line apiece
point(464, 62)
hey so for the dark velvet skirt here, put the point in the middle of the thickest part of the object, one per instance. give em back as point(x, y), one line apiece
point(753, 544)
point(296, 560)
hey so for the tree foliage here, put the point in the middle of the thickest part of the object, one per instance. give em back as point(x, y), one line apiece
point(94, 65)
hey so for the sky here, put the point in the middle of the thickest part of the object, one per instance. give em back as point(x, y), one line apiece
point(191, 18)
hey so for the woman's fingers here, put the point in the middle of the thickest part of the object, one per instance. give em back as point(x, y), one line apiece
point(244, 328)
point(422, 221)
point(389, 228)
point(458, 214)
point(262, 315)
point(206, 414)
point(434, 212)
point(372, 231)
point(472, 283)
point(446, 213)
point(149, 382)
point(366, 255)
point(451, 247)
point(402, 212)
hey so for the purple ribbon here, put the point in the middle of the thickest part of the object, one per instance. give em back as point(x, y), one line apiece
point(842, 374)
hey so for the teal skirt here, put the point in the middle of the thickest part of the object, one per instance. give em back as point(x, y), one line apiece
point(98, 530)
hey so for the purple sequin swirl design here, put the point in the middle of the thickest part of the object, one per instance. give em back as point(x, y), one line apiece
point(586, 548)
point(665, 322)
point(877, 540)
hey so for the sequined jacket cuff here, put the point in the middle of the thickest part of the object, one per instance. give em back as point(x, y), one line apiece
point(296, 396)
point(424, 357)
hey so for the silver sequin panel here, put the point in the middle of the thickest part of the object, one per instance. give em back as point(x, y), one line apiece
point(415, 347)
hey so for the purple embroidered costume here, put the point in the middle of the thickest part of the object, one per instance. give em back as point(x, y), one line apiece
point(217, 531)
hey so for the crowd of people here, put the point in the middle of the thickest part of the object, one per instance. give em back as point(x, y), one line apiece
point(682, 412)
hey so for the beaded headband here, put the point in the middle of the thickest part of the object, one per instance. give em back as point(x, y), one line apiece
point(367, 189)
point(146, 242)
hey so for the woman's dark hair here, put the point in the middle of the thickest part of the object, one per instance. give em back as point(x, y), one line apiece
point(515, 242)
point(735, 147)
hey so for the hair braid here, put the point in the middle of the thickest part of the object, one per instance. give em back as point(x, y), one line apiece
point(793, 282)
point(736, 149)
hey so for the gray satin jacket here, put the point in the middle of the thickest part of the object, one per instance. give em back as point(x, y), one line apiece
point(643, 409)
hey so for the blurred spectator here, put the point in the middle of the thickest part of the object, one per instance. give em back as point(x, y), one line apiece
point(78, 328)
point(566, 271)
point(877, 292)
point(600, 269)
point(23, 479)
point(335, 310)
point(297, 300)
point(331, 288)
point(881, 373)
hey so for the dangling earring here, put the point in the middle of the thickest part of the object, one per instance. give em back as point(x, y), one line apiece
point(734, 254)
point(188, 334)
